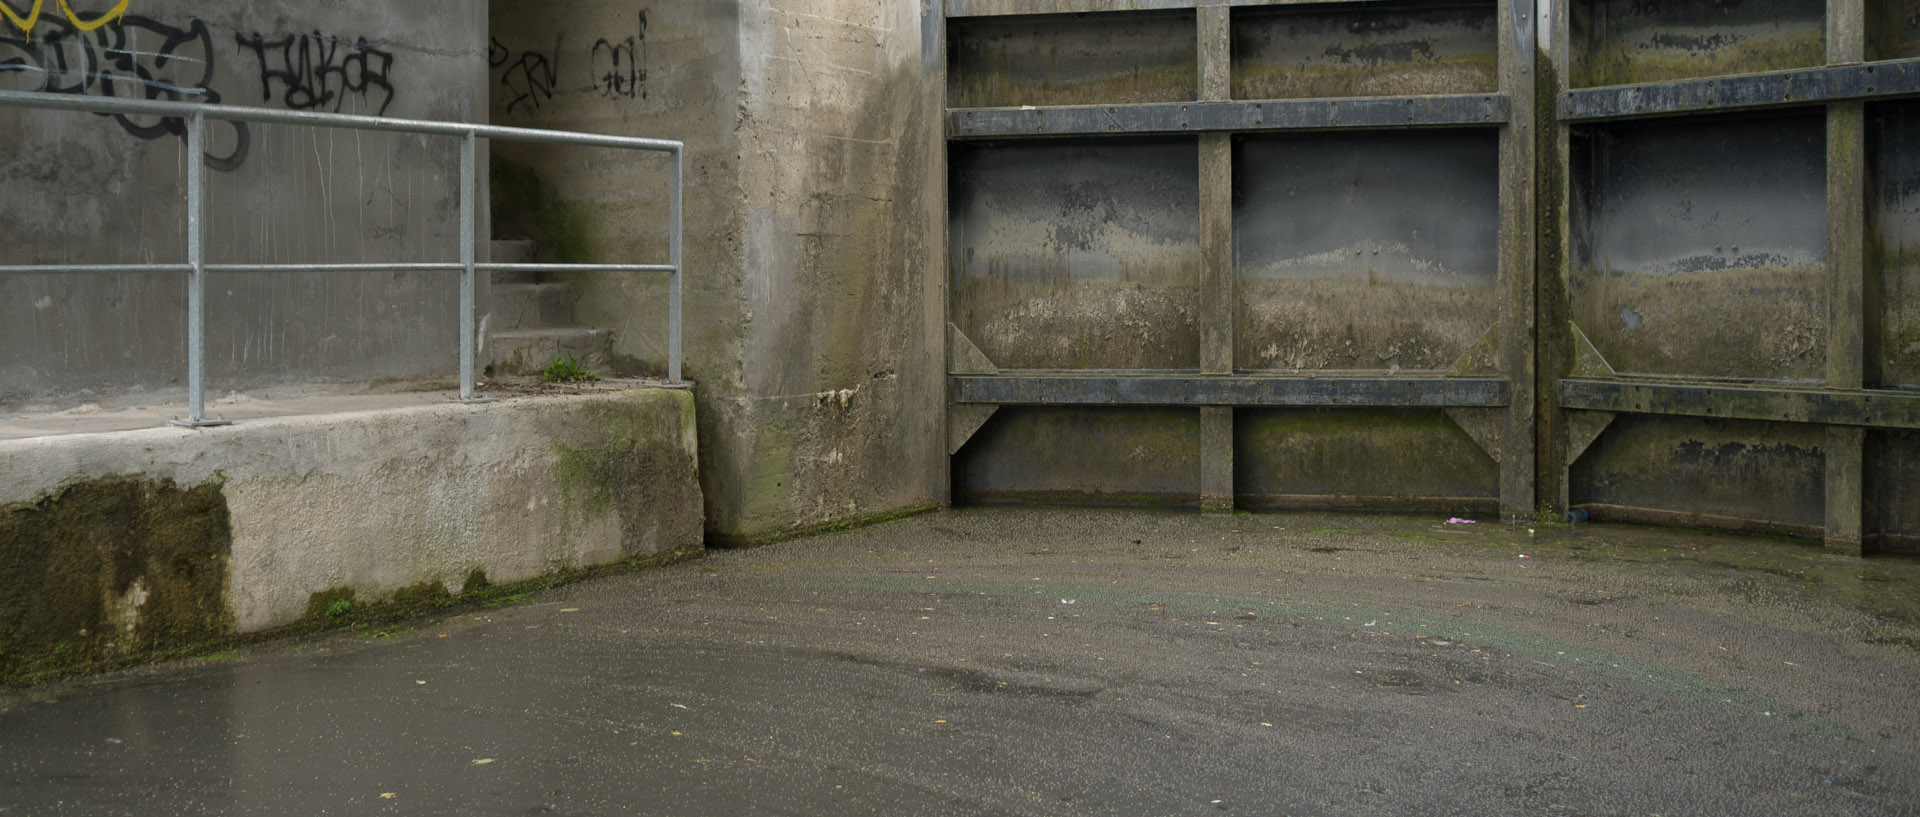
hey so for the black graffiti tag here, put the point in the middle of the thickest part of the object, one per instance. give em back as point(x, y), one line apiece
point(139, 58)
point(531, 78)
point(318, 71)
point(619, 68)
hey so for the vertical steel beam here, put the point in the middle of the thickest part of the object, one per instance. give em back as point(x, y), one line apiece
point(1515, 279)
point(1846, 275)
point(675, 206)
point(1554, 343)
point(1218, 304)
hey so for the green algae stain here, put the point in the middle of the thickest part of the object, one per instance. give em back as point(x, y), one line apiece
point(103, 571)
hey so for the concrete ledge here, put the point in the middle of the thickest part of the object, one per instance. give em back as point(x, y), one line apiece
point(117, 543)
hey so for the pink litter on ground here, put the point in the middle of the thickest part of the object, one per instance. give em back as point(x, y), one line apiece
point(1458, 521)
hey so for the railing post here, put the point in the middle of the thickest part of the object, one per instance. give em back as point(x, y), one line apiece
point(674, 206)
point(197, 277)
point(468, 217)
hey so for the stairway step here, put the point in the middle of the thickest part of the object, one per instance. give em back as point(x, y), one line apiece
point(532, 306)
point(527, 351)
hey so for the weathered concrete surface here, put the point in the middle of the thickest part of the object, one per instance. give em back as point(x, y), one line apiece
point(812, 325)
point(1622, 41)
point(1072, 60)
point(1045, 662)
point(1364, 251)
point(1699, 247)
point(81, 188)
point(278, 511)
point(1078, 256)
point(1386, 50)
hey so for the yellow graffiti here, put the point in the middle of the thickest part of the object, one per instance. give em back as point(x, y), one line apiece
point(33, 15)
point(88, 25)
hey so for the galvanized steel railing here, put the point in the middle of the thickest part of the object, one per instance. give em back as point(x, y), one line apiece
point(196, 266)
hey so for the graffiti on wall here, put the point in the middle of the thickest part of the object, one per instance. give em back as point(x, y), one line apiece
point(620, 68)
point(25, 22)
point(168, 63)
point(130, 56)
point(530, 79)
point(616, 67)
point(318, 71)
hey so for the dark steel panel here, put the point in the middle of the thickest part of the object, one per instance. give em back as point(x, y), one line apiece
point(1882, 409)
point(1700, 246)
point(1893, 247)
point(1091, 456)
point(1197, 390)
point(1359, 457)
point(1364, 251)
point(1072, 60)
point(1893, 487)
point(1775, 90)
point(1078, 256)
point(1374, 50)
point(1267, 115)
point(1704, 471)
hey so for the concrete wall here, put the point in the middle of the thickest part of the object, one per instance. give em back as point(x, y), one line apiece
point(82, 188)
point(117, 544)
point(813, 324)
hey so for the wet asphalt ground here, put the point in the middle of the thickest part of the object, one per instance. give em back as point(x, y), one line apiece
point(1058, 662)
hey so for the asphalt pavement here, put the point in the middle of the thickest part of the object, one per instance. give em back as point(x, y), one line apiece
point(1029, 661)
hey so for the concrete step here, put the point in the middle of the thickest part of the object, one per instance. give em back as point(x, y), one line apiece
point(532, 306)
point(527, 351)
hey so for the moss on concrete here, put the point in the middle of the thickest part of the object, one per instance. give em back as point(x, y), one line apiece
point(330, 603)
point(635, 465)
point(104, 571)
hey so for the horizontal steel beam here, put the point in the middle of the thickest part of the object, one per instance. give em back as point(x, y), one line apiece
point(1879, 409)
point(1453, 110)
point(1227, 390)
point(1777, 89)
point(995, 8)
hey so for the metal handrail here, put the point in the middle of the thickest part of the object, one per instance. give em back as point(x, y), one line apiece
point(196, 266)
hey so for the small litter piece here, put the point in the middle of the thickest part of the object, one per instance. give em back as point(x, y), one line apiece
point(1458, 521)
